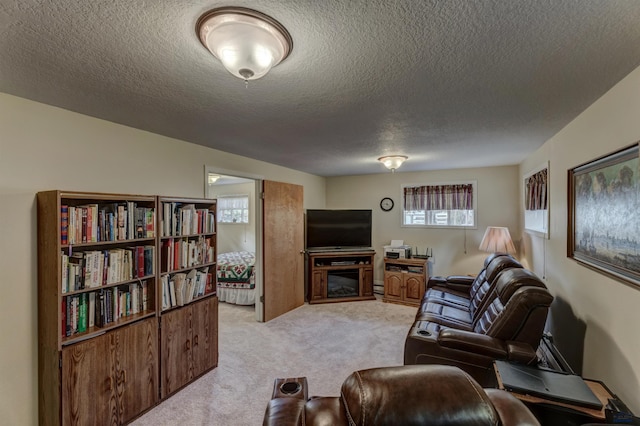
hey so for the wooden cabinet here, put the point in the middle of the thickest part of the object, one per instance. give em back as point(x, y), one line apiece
point(340, 276)
point(404, 280)
point(189, 317)
point(112, 378)
point(189, 343)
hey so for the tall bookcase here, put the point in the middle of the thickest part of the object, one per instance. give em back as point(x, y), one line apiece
point(100, 298)
point(187, 275)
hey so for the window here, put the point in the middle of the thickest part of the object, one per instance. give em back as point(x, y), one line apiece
point(536, 201)
point(233, 209)
point(443, 205)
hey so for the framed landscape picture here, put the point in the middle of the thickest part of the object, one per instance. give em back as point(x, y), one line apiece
point(604, 230)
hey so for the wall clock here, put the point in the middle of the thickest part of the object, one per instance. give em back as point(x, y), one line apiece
point(386, 204)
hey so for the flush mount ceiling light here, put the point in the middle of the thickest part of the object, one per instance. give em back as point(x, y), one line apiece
point(392, 162)
point(247, 42)
point(212, 178)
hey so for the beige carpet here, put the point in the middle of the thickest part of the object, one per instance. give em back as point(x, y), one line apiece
point(323, 342)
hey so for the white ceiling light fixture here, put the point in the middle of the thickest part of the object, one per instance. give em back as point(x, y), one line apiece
point(392, 162)
point(247, 42)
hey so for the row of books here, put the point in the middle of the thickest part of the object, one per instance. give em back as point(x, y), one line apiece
point(185, 219)
point(96, 268)
point(180, 289)
point(180, 254)
point(93, 223)
point(80, 312)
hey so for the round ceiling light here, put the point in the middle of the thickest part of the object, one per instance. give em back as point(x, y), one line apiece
point(247, 42)
point(392, 162)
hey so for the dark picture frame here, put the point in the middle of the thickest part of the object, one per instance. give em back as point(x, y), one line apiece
point(603, 203)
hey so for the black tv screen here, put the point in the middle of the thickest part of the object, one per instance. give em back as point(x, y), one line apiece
point(338, 229)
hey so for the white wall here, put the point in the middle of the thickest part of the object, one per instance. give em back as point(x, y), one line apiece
point(237, 236)
point(455, 250)
point(595, 318)
point(42, 148)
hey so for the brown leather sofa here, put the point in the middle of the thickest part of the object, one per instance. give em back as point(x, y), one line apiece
point(502, 316)
point(407, 395)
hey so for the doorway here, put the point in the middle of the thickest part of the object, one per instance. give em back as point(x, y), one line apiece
point(239, 233)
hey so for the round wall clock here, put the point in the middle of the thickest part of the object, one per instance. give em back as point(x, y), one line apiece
point(386, 204)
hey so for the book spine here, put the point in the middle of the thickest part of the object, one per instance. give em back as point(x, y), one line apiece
point(82, 313)
point(140, 261)
point(99, 320)
point(69, 313)
point(65, 273)
point(64, 224)
point(83, 230)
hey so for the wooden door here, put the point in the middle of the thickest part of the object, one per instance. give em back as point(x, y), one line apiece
point(283, 242)
point(137, 373)
point(393, 285)
point(205, 335)
point(89, 394)
point(414, 288)
point(176, 350)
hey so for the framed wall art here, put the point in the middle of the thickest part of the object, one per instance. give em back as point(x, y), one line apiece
point(603, 203)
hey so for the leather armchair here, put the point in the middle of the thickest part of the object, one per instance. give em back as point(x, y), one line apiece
point(407, 395)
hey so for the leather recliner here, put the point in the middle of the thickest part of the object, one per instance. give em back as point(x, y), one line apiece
point(407, 395)
point(508, 325)
point(460, 286)
point(438, 299)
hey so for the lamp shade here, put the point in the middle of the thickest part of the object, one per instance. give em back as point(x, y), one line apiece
point(247, 42)
point(497, 239)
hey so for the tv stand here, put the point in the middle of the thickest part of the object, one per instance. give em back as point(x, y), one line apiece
point(340, 275)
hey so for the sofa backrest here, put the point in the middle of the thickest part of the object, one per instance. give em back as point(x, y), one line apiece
point(518, 310)
point(416, 395)
point(481, 277)
point(486, 289)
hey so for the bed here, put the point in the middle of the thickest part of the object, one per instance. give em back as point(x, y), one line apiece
point(236, 277)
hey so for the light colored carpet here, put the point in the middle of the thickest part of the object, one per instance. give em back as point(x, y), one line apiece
point(324, 342)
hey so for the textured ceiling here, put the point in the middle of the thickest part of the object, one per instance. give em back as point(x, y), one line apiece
point(451, 84)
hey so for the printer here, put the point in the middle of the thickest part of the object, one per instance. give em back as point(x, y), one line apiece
point(397, 252)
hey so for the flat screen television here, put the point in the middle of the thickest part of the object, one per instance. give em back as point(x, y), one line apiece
point(338, 229)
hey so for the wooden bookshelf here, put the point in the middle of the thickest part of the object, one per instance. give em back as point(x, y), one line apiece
point(188, 314)
point(97, 313)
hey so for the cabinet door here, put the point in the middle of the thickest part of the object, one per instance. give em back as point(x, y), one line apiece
point(367, 282)
point(393, 285)
point(176, 350)
point(205, 335)
point(89, 394)
point(414, 288)
point(318, 285)
point(137, 372)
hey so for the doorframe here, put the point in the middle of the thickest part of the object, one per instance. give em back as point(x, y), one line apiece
point(259, 306)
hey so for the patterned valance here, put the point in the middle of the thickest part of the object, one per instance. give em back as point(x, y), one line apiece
point(439, 197)
point(536, 191)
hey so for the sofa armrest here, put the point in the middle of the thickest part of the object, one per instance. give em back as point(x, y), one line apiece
point(510, 410)
point(521, 352)
point(284, 412)
point(479, 344)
